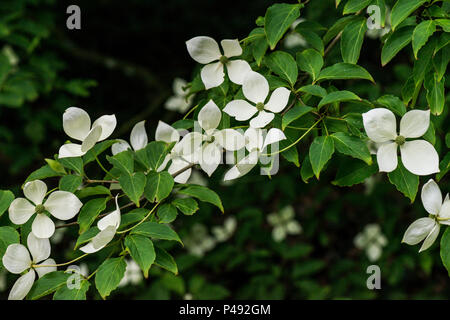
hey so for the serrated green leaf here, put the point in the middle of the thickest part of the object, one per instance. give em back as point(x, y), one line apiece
point(64, 293)
point(156, 231)
point(133, 185)
point(159, 185)
point(344, 71)
point(351, 172)
point(283, 64)
point(320, 152)
point(90, 211)
point(396, 42)
point(353, 6)
point(311, 62)
point(165, 260)
point(49, 283)
point(167, 213)
point(109, 274)
point(405, 181)
point(186, 205)
point(70, 183)
point(352, 146)
point(142, 251)
point(402, 9)
point(352, 40)
point(421, 33)
point(6, 197)
point(203, 194)
point(338, 96)
point(279, 17)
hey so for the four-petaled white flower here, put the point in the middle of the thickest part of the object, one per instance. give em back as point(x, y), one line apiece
point(255, 143)
point(206, 148)
point(372, 241)
point(256, 89)
point(428, 228)
point(138, 140)
point(283, 223)
point(61, 204)
point(108, 226)
point(179, 101)
point(17, 260)
point(205, 50)
point(77, 125)
point(223, 233)
point(168, 134)
point(418, 156)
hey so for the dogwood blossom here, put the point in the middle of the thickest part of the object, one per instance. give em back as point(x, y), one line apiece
point(418, 156)
point(108, 226)
point(61, 204)
point(206, 148)
point(293, 38)
point(372, 241)
point(223, 233)
point(138, 139)
point(205, 50)
point(179, 101)
point(256, 90)
point(255, 143)
point(77, 125)
point(17, 260)
point(133, 274)
point(198, 242)
point(428, 228)
point(283, 223)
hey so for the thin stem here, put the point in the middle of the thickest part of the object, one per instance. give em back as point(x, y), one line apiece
point(101, 181)
point(332, 43)
point(59, 264)
point(51, 191)
point(190, 111)
point(183, 170)
point(101, 166)
point(143, 219)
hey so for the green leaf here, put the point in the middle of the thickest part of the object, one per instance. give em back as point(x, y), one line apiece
point(440, 61)
point(8, 235)
point(283, 64)
point(42, 173)
point(382, 6)
point(109, 274)
point(445, 249)
point(421, 33)
point(159, 185)
point(352, 146)
point(132, 217)
point(352, 39)
point(444, 23)
point(313, 90)
point(405, 181)
point(306, 171)
point(64, 293)
point(203, 194)
point(435, 95)
point(157, 231)
point(320, 152)
point(86, 236)
point(73, 163)
point(259, 44)
point(351, 172)
point(337, 27)
point(353, 6)
point(310, 61)
point(49, 283)
point(312, 39)
point(133, 185)
point(142, 251)
point(98, 149)
point(123, 161)
point(393, 103)
point(279, 17)
point(70, 183)
point(186, 205)
point(153, 155)
point(165, 260)
point(6, 197)
point(344, 71)
point(90, 211)
point(56, 166)
point(402, 9)
point(93, 191)
point(396, 42)
point(338, 96)
point(167, 213)
point(293, 114)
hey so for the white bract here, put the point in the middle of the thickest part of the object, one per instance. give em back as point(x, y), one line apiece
point(372, 241)
point(198, 242)
point(77, 125)
point(17, 260)
point(138, 140)
point(179, 101)
point(428, 228)
point(61, 204)
point(108, 226)
point(168, 134)
point(283, 223)
point(418, 156)
point(223, 233)
point(133, 274)
point(255, 143)
point(293, 38)
point(256, 90)
point(206, 148)
point(205, 50)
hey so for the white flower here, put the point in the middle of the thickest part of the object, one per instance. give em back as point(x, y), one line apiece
point(256, 89)
point(61, 204)
point(223, 233)
point(108, 226)
point(17, 259)
point(380, 32)
point(428, 228)
point(205, 50)
point(138, 139)
point(372, 241)
point(283, 223)
point(133, 274)
point(77, 125)
point(199, 241)
point(206, 149)
point(294, 39)
point(179, 101)
point(255, 143)
point(168, 134)
point(418, 156)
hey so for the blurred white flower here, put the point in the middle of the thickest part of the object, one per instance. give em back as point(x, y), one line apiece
point(197, 178)
point(179, 101)
point(283, 223)
point(205, 50)
point(12, 57)
point(133, 274)
point(376, 33)
point(77, 125)
point(293, 38)
point(61, 204)
point(439, 213)
point(418, 156)
point(138, 139)
point(223, 233)
point(188, 296)
point(372, 241)
point(198, 242)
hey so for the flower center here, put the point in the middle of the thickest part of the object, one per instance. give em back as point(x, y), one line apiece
point(40, 208)
point(260, 106)
point(400, 140)
point(223, 59)
point(211, 139)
